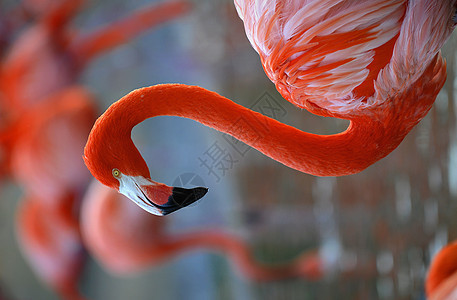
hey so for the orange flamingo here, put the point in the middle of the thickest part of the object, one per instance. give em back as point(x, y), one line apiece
point(441, 279)
point(376, 63)
point(144, 242)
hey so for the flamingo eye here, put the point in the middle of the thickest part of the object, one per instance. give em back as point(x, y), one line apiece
point(454, 18)
point(116, 173)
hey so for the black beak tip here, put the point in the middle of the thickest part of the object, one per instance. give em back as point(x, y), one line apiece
point(182, 197)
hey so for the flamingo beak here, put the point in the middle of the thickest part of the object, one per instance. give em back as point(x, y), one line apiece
point(158, 198)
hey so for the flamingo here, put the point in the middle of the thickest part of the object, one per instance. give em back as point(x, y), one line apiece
point(441, 279)
point(375, 63)
point(144, 243)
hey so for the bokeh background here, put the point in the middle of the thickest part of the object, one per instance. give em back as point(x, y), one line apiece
point(377, 230)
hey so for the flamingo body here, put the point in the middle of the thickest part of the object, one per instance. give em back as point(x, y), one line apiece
point(375, 63)
point(344, 58)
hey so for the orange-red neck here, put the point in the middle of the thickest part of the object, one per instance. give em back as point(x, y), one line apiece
point(364, 142)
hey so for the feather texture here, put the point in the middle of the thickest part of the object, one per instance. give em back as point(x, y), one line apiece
point(337, 57)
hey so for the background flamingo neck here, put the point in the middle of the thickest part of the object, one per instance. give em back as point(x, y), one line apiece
point(237, 251)
point(324, 155)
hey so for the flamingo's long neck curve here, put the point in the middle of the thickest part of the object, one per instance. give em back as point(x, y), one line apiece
point(365, 141)
point(370, 136)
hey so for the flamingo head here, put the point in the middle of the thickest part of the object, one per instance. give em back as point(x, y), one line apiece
point(118, 164)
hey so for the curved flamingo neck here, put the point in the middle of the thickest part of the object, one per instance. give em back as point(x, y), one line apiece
point(363, 143)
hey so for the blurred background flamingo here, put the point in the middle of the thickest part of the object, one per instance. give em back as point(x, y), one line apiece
point(441, 282)
point(45, 124)
point(146, 242)
point(372, 219)
point(48, 141)
point(44, 162)
point(51, 243)
point(51, 47)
